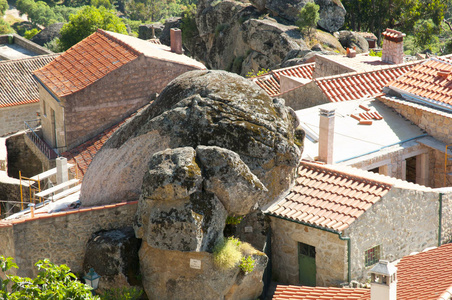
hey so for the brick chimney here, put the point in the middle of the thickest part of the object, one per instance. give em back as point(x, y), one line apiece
point(392, 46)
point(326, 135)
point(383, 281)
point(176, 40)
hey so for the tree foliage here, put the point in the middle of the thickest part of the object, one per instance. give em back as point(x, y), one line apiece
point(86, 22)
point(52, 282)
point(153, 10)
point(4, 27)
point(3, 7)
point(377, 15)
point(308, 18)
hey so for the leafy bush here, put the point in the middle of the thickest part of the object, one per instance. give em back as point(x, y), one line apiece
point(234, 220)
point(247, 264)
point(125, 293)
point(252, 74)
point(52, 282)
point(53, 45)
point(4, 27)
point(29, 34)
point(308, 18)
point(373, 53)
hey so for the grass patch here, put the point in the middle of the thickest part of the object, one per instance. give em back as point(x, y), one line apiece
point(10, 19)
point(231, 253)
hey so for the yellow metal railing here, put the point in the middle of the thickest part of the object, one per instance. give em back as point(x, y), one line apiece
point(31, 190)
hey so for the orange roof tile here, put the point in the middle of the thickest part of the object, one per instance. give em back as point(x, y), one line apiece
point(17, 85)
point(85, 63)
point(425, 275)
point(327, 293)
point(328, 198)
point(270, 82)
point(429, 82)
point(357, 85)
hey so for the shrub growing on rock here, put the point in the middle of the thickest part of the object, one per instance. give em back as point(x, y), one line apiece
point(308, 18)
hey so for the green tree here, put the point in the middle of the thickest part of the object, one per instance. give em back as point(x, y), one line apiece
point(377, 15)
point(308, 18)
point(425, 34)
point(86, 22)
point(4, 27)
point(52, 282)
point(188, 26)
point(3, 7)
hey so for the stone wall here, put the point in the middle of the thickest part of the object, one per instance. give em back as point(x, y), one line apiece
point(437, 124)
point(393, 160)
point(29, 45)
point(403, 221)
point(13, 117)
point(446, 214)
point(60, 237)
point(331, 253)
point(108, 100)
point(328, 67)
point(305, 96)
point(21, 158)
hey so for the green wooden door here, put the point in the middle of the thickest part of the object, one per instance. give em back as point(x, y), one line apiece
point(306, 263)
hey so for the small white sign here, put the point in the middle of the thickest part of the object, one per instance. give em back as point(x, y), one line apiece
point(195, 264)
point(248, 229)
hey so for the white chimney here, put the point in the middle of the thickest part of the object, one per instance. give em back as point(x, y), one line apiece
point(326, 135)
point(62, 170)
point(392, 46)
point(383, 283)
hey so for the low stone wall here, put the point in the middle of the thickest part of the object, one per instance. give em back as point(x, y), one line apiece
point(331, 253)
point(29, 45)
point(437, 124)
point(13, 117)
point(402, 222)
point(305, 96)
point(328, 67)
point(60, 237)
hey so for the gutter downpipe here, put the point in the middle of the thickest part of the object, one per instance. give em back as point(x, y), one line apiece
point(440, 217)
point(346, 238)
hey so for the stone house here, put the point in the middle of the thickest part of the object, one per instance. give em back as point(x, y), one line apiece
point(337, 222)
point(425, 275)
point(99, 82)
point(19, 96)
point(369, 135)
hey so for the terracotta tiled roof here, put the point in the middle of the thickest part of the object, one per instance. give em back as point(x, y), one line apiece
point(353, 86)
point(391, 33)
point(425, 275)
point(271, 82)
point(17, 85)
point(328, 198)
point(286, 292)
point(85, 63)
point(430, 81)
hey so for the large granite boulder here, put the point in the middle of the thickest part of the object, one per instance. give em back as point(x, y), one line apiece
point(350, 39)
point(211, 108)
point(175, 275)
point(48, 34)
point(212, 145)
point(332, 14)
point(114, 255)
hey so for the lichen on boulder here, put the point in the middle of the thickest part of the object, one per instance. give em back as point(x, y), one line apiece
point(212, 145)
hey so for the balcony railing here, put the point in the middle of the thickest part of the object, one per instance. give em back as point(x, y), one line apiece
point(48, 151)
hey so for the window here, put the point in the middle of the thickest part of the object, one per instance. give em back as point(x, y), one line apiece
point(372, 256)
point(44, 109)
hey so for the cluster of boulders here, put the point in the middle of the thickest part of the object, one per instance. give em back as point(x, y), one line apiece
point(212, 145)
